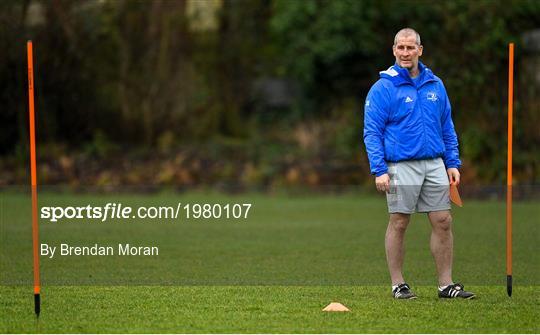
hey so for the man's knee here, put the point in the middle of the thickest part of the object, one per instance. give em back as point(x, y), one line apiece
point(399, 222)
point(441, 220)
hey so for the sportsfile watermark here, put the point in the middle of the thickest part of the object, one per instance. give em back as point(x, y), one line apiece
point(209, 238)
point(111, 211)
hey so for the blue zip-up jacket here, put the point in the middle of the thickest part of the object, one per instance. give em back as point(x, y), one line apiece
point(404, 121)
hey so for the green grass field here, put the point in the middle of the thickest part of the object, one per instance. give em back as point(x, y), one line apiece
point(255, 309)
point(273, 272)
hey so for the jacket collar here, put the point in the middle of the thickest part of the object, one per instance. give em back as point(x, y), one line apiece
point(400, 76)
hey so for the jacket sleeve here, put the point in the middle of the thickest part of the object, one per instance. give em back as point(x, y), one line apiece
point(451, 151)
point(375, 118)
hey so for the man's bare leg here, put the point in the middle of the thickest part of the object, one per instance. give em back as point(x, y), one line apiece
point(442, 244)
point(395, 250)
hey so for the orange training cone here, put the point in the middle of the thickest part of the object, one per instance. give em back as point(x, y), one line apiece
point(336, 307)
point(454, 195)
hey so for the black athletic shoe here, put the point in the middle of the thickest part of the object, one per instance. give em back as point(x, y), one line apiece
point(403, 291)
point(455, 291)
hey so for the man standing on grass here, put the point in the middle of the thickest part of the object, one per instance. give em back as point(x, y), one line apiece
point(413, 152)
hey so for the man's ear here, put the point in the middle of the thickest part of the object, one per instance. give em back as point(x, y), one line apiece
point(394, 50)
point(420, 50)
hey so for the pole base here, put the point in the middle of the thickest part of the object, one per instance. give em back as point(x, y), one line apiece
point(509, 285)
point(37, 304)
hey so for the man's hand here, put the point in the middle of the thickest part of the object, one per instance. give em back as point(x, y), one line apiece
point(383, 182)
point(453, 175)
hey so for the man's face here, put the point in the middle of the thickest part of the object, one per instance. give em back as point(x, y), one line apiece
point(407, 51)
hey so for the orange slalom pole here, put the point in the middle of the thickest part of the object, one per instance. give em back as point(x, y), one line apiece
point(509, 171)
point(35, 227)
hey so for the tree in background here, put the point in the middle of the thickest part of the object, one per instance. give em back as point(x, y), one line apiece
point(165, 76)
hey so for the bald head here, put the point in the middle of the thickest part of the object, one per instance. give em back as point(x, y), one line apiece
point(407, 50)
point(405, 32)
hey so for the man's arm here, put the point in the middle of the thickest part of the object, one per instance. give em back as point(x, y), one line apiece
point(375, 118)
point(383, 183)
point(453, 175)
point(451, 151)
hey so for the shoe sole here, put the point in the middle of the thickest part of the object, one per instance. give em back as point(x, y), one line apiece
point(410, 298)
point(468, 298)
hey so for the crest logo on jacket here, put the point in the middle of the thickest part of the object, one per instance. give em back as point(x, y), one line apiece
point(432, 96)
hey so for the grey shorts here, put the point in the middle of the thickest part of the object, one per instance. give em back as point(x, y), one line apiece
point(418, 186)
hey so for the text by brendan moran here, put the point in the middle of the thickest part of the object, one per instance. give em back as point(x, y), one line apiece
point(97, 250)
